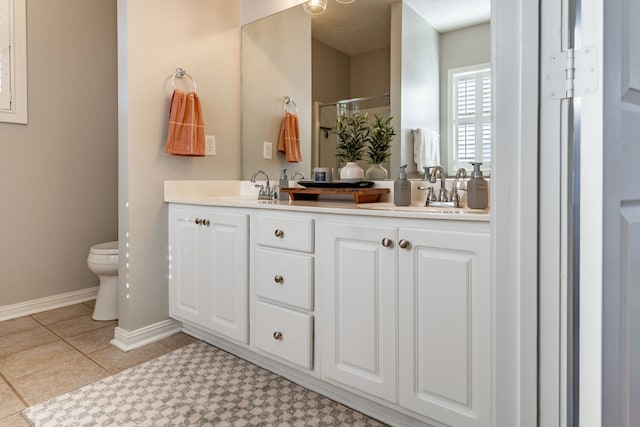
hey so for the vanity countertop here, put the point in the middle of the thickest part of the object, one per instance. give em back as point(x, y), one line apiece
point(242, 194)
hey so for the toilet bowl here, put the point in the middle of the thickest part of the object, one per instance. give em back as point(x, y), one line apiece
point(103, 262)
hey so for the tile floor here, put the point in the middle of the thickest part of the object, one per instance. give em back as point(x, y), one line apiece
point(50, 353)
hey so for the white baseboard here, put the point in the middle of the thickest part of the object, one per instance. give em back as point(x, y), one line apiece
point(128, 340)
point(49, 303)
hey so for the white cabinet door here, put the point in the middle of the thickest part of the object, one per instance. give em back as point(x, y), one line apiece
point(357, 287)
point(186, 266)
point(444, 324)
point(208, 279)
point(226, 253)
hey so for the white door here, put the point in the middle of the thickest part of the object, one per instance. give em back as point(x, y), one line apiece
point(445, 323)
point(186, 265)
point(621, 210)
point(226, 277)
point(357, 290)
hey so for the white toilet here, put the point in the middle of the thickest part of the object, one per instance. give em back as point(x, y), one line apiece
point(103, 261)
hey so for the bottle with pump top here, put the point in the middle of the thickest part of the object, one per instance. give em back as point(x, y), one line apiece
point(402, 188)
point(477, 189)
point(283, 182)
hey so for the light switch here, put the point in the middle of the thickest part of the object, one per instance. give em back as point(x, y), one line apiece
point(210, 145)
point(267, 150)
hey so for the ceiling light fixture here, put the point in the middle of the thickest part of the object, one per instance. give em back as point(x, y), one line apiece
point(315, 7)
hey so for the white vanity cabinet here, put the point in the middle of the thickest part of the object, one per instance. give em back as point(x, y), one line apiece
point(444, 322)
point(357, 273)
point(386, 312)
point(282, 277)
point(208, 262)
point(405, 314)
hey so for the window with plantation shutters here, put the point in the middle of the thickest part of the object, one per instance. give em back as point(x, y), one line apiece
point(470, 120)
point(13, 61)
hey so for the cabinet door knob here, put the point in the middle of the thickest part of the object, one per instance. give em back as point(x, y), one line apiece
point(206, 222)
point(279, 233)
point(277, 335)
point(404, 244)
point(386, 242)
point(198, 221)
point(278, 279)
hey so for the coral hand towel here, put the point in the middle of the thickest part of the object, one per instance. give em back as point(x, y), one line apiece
point(186, 128)
point(289, 141)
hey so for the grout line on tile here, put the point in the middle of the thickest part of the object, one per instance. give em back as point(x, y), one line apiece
point(13, 389)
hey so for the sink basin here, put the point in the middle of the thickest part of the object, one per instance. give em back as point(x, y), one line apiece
point(419, 207)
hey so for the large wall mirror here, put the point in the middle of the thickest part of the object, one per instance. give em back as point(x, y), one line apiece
point(426, 63)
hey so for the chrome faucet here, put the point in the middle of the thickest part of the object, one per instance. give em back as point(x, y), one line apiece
point(293, 178)
point(266, 192)
point(442, 197)
point(455, 197)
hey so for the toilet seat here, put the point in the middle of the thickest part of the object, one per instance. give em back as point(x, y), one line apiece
point(108, 248)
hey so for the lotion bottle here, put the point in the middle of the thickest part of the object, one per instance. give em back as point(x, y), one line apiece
point(477, 189)
point(283, 182)
point(402, 188)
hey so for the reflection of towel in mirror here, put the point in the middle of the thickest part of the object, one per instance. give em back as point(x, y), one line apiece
point(426, 148)
point(185, 136)
point(289, 141)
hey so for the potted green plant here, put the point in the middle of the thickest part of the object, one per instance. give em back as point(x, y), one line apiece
point(353, 133)
point(379, 149)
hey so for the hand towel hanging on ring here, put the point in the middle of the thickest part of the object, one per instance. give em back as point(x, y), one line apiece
point(289, 140)
point(185, 136)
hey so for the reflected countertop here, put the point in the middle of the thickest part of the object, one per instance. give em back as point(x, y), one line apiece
point(242, 194)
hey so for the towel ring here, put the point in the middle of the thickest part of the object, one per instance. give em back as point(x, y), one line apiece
point(289, 101)
point(180, 73)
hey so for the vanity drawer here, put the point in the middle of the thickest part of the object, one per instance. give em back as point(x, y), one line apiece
point(284, 232)
point(284, 333)
point(284, 277)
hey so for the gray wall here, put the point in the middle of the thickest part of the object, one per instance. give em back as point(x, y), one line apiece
point(331, 73)
point(459, 48)
point(155, 37)
point(58, 173)
point(276, 62)
point(420, 82)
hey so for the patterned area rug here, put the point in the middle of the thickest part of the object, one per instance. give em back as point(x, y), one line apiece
point(197, 385)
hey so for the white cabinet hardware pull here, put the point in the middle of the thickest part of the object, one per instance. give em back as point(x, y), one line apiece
point(198, 221)
point(386, 242)
point(404, 244)
point(277, 335)
point(278, 279)
point(279, 233)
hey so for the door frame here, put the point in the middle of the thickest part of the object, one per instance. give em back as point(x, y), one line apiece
point(514, 206)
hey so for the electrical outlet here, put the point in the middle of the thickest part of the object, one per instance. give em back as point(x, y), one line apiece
point(210, 145)
point(267, 150)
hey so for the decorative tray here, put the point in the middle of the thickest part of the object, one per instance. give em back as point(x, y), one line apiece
point(336, 184)
point(360, 195)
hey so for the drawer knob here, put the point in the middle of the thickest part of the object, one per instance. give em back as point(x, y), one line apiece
point(386, 242)
point(198, 221)
point(206, 222)
point(279, 233)
point(404, 244)
point(277, 336)
point(278, 279)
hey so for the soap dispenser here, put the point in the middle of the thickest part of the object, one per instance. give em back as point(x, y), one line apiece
point(477, 189)
point(283, 182)
point(402, 188)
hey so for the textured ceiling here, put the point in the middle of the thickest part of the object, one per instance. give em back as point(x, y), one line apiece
point(365, 25)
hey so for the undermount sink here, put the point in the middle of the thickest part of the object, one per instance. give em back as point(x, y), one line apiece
point(419, 207)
